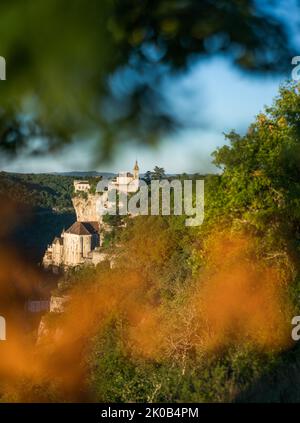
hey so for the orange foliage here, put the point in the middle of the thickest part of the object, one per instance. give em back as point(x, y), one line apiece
point(237, 299)
point(241, 299)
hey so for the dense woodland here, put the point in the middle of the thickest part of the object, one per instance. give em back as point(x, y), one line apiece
point(40, 191)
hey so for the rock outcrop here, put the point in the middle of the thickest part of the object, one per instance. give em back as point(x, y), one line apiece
point(86, 208)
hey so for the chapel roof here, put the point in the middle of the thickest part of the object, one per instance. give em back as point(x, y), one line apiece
point(83, 228)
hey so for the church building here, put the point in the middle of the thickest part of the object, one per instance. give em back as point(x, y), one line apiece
point(75, 246)
point(80, 243)
point(127, 181)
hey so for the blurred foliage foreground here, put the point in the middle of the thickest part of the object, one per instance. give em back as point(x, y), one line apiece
point(187, 314)
point(96, 70)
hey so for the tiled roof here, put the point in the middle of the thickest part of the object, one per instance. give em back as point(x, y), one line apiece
point(83, 228)
point(92, 227)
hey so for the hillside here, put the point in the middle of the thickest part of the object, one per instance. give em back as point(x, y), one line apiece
point(46, 204)
point(39, 191)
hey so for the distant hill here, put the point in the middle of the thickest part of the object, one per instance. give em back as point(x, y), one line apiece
point(88, 174)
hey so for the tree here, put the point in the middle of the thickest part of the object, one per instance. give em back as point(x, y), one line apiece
point(158, 173)
point(260, 183)
point(147, 177)
point(78, 75)
point(267, 156)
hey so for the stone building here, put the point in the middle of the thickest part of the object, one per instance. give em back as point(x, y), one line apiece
point(81, 242)
point(127, 181)
point(75, 246)
point(81, 186)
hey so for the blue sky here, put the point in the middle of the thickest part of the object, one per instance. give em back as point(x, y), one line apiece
point(214, 97)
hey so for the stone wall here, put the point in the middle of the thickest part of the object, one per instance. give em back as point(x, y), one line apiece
point(57, 304)
point(76, 248)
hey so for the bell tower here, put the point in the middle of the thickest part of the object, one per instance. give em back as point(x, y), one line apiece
point(136, 170)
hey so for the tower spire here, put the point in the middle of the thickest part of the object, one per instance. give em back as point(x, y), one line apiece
point(136, 170)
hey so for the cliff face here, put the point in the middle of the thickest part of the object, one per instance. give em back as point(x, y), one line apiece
point(86, 208)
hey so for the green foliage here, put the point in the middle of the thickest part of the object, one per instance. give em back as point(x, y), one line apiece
point(147, 177)
point(259, 189)
point(117, 376)
point(28, 391)
point(82, 194)
point(109, 363)
point(39, 191)
point(257, 192)
point(121, 40)
point(81, 275)
point(261, 182)
point(158, 173)
point(93, 183)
